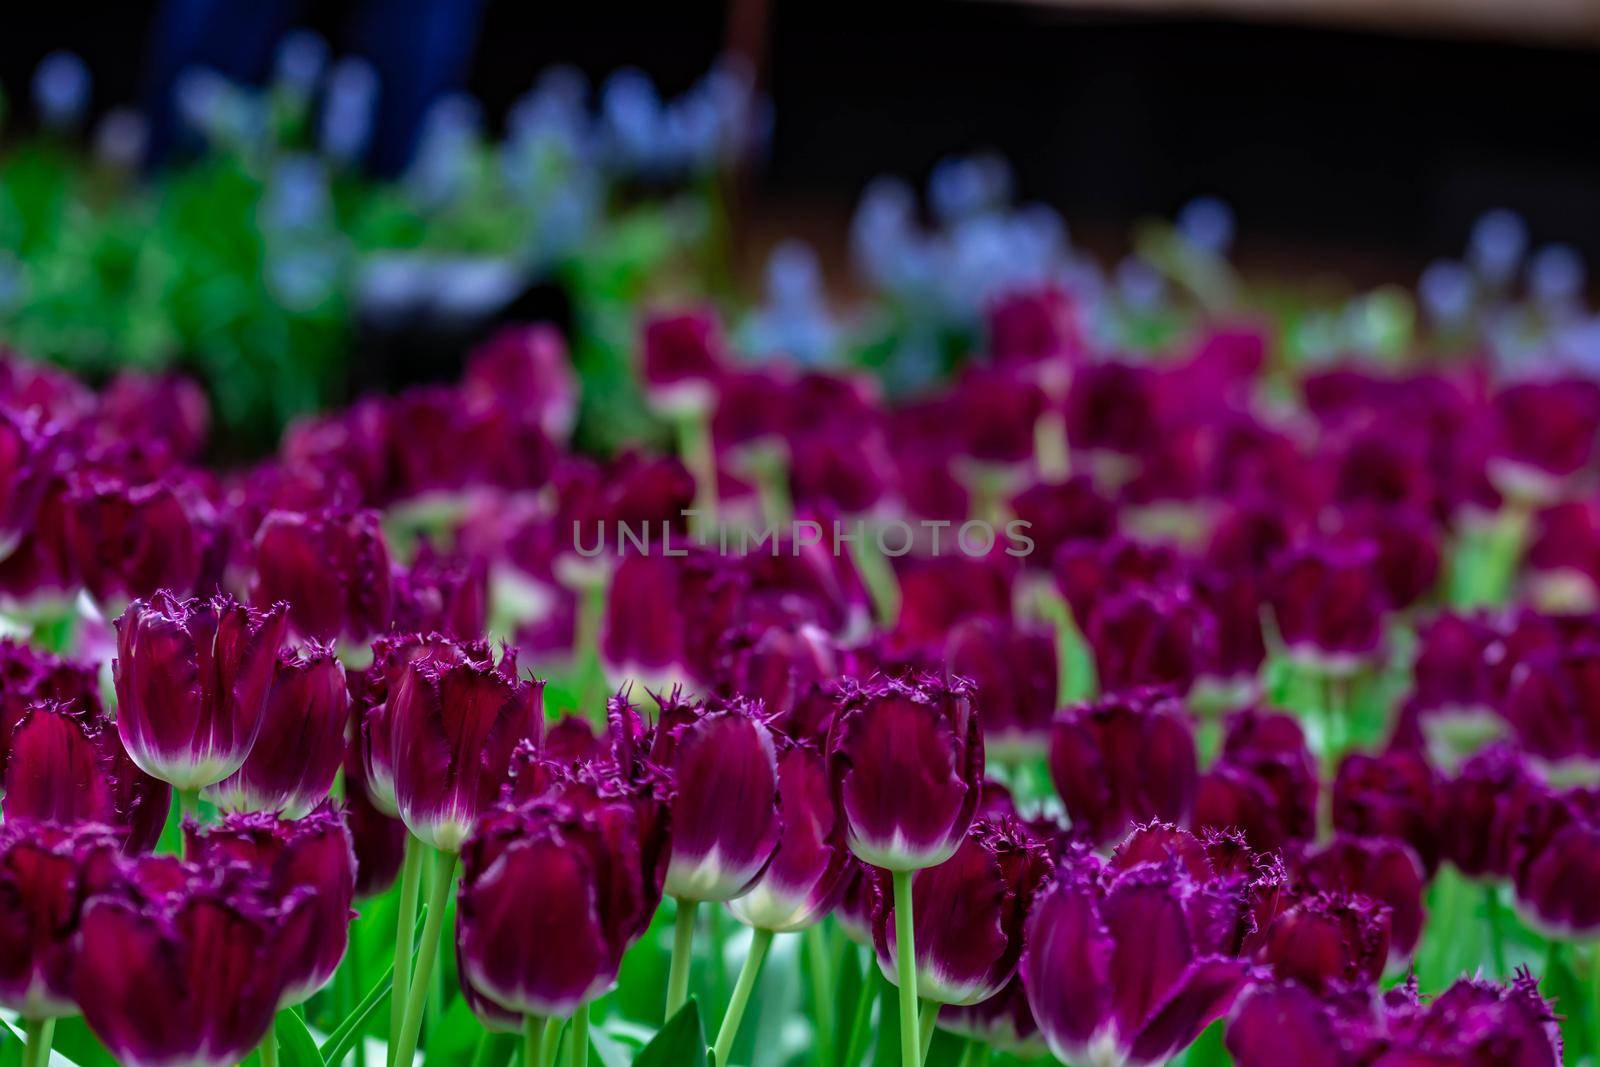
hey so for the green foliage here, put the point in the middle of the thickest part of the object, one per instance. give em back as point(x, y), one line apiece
point(680, 1043)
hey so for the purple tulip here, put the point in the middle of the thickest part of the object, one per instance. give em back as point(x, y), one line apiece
point(1558, 862)
point(1382, 868)
point(1394, 794)
point(906, 759)
point(1264, 783)
point(46, 873)
point(552, 893)
point(527, 367)
point(444, 593)
point(1004, 1022)
point(1034, 326)
point(993, 413)
point(1121, 969)
point(858, 901)
point(665, 616)
point(1546, 434)
point(292, 765)
point(333, 569)
point(27, 453)
point(968, 914)
point(938, 593)
point(1125, 759)
point(1014, 678)
point(1151, 637)
point(1328, 604)
point(192, 679)
point(1473, 1022)
point(1553, 702)
point(452, 728)
point(807, 874)
point(1111, 407)
point(683, 357)
point(1328, 941)
point(784, 667)
point(130, 540)
point(309, 867)
point(726, 824)
point(182, 965)
point(170, 406)
point(67, 765)
point(1484, 812)
point(1058, 513)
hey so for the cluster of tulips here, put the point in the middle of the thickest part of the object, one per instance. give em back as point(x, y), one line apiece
point(1114, 709)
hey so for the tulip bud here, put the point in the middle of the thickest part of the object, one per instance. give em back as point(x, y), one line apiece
point(129, 540)
point(310, 868)
point(1383, 869)
point(1330, 940)
point(1264, 784)
point(1014, 679)
point(46, 874)
point(452, 727)
point(167, 949)
point(333, 569)
point(192, 678)
point(968, 914)
point(1328, 605)
point(1393, 794)
point(1150, 637)
point(806, 876)
point(528, 367)
point(1030, 326)
point(1112, 969)
point(1558, 863)
point(906, 759)
point(1123, 760)
point(68, 766)
point(683, 359)
point(551, 895)
point(725, 819)
point(292, 765)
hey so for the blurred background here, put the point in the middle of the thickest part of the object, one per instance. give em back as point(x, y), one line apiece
point(298, 201)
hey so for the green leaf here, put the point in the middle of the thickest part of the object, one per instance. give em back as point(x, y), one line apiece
point(349, 1031)
point(296, 1048)
point(453, 1036)
point(680, 1043)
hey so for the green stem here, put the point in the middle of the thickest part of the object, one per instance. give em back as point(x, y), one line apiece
point(427, 952)
point(877, 573)
point(405, 932)
point(269, 1049)
point(37, 1037)
point(1497, 943)
point(1594, 1004)
point(189, 804)
point(591, 616)
point(821, 967)
point(930, 1019)
point(682, 947)
point(551, 1042)
point(976, 1054)
point(760, 941)
point(532, 1046)
point(578, 1053)
point(861, 1021)
point(905, 951)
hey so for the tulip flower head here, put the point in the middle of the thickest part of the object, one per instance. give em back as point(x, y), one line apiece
point(906, 758)
point(192, 680)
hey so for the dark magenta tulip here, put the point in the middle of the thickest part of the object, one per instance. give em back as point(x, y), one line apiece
point(1329, 604)
point(310, 870)
point(1125, 759)
point(1484, 811)
point(526, 367)
point(1381, 868)
point(807, 873)
point(726, 822)
point(331, 568)
point(1545, 434)
point(47, 871)
point(1004, 1021)
point(1151, 637)
point(683, 356)
point(292, 765)
point(1014, 679)
point(906, 758)
point(130, 540)
point(379, 839)
point(183, 965)
point(453, 724)
point(192, 679)
point(1393, 794)
point(1473, 1022)
point(1553, 702)
point(968, 914)
point(1264, 783)
point(1058, 513)
point(551, 895)
point(1328, 941)
point(1121, 969)
point(1558, 860)
point(1033, 326)
point(67, 765)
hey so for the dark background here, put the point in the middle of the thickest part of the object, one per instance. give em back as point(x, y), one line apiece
point(1367, 150)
